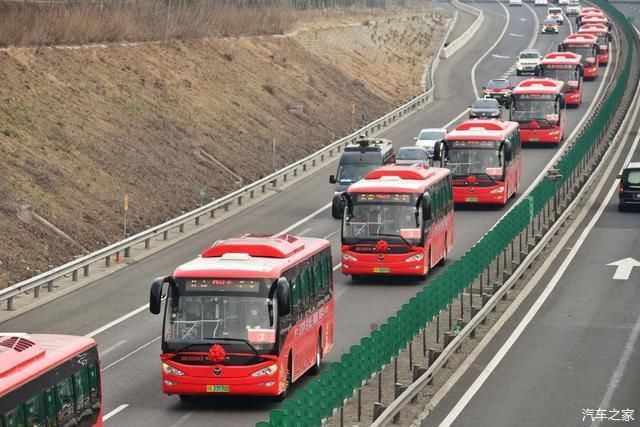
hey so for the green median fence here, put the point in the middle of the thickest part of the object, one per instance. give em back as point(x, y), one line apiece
point(320, 397)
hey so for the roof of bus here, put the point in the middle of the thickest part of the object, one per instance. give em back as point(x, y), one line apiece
point(595, 28)
point(26, 356)
point(399, 179)
point(251, 256)
point(561, 58)
point(589, 10)
point(538, 85)
point(580, 38)
point(594, 19)
point(476, 129)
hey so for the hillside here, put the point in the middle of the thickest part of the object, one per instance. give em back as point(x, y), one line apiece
point(82, 126)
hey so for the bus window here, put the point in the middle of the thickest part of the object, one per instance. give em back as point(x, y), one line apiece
point(64, 404)
point(15, 417)
point(81, 390)
point(50, 406)
point(94, 387)
point(34, 409)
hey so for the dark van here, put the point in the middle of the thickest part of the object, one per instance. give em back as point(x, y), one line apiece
point(358, 159)
point(629, 193)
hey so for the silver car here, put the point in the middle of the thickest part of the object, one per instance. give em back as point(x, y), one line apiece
point(412, 156)
point(428, 138)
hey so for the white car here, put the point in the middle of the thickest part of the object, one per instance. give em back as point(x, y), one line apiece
point(555, 13)
point(541, 2)
point(563, 1)
point(428, 138)
point(573, 9)
point(527, 61)
point(515, 2)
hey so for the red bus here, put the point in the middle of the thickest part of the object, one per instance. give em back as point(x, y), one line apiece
point(484, 159)
point(399, 221)
point(586, 46)
point(565, 67)
point(587, 11)
point(538, 106)
point(248, 317)
point(603, 38)
point(594, 18)
point(49, 380)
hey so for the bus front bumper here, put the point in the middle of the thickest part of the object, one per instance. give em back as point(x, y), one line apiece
point(572, 99)
point(266, 385)
point(591, 72)
point(495, 195)
point(384, 264)
point(603, 58)
point(552, 136)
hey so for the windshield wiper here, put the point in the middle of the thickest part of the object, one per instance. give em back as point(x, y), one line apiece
point(237, 340)
point(181, 349)
point(394, 235)
point(485, 174)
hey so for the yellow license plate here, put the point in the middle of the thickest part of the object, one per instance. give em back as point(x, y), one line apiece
point(380, 270)
point(217, 389)
point(534, 139)
point(471, 199)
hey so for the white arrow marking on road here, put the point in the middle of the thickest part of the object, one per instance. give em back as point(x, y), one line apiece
point(500, 56)
point(624, 268)
point(516, 35)
point(523, 19)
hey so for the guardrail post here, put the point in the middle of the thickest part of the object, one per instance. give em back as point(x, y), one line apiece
point(50, 286)
point(181, 228)
point(239, 200)
point(398, 389)
point(74, 275)
point(10, 304)
point(448, 337)
point(378, 409)
point(165, 235)
point(226, 207)
point(36, 292)
point(147, 243)
point(197, 220)
point(212, 214)
point(313, 162)
point(284, 177)
point(251, 195)
point(127, 252)
point(86, 270)
point(107, 260)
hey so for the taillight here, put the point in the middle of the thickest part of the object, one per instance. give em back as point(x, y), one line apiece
point(621, 186)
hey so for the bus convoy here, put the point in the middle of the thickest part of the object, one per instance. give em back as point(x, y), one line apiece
point(254, 313)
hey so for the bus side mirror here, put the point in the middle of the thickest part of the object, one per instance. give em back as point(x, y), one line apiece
point(426, 207)
point(508, 151)
point(332, 179)
point(155, 294)
point(283, 292)
point(560, 48)
point(348, 204)
point(537, 71)
point(562, 101)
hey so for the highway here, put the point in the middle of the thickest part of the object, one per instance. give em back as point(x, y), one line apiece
point(130, 347)
point(570, 354)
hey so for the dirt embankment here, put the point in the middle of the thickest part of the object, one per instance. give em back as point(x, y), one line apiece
point(80, 127)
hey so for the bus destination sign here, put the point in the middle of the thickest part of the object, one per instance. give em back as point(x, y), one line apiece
point(473, 144)
point(559, 66)
point(384, 198)
point(536, 96)
point(222, 285)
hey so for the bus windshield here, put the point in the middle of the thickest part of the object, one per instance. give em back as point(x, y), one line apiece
point(205, 317)
point(585, 50)
point(565, 75)
point(465, 160)
point(383, 216)
point(527, 110)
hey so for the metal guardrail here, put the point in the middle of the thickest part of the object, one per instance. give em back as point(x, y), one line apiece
point(455, 45)
point(237, 198)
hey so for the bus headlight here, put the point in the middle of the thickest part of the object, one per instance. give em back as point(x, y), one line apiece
point(269, 370)
point(554, 132)
point(497, 190)
point(168, 369)
point(348, 257)
point(415, 258)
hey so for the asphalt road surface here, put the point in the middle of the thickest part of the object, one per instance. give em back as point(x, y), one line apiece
point(130, 349)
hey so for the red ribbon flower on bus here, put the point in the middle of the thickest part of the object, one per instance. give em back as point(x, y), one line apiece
point(216, 354)
point(382, 246)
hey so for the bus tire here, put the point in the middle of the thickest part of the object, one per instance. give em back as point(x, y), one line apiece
point(334, 212)
point(443, 260)
point(285, 393)
point(315, 369)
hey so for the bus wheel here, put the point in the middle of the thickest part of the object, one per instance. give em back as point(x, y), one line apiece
point(446, 253)
point(282, 396)
point(315, 369)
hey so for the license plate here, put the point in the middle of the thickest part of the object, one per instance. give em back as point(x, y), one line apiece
point(217, 389)
point(380, 270)
point(471, 199)
point(534, 139)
